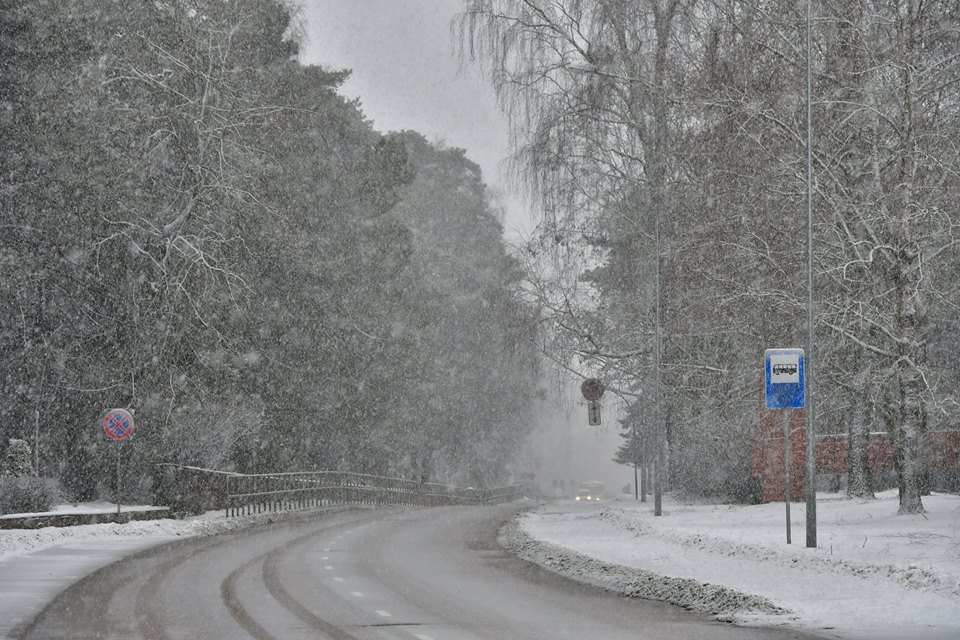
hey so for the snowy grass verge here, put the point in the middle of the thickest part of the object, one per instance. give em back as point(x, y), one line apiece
point(711, 599)
point(14, 542)
point(904, 570)
point(875, 575)
point(83, 508)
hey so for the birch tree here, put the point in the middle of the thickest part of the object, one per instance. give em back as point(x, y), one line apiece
point(592, 91)
point(680, 124)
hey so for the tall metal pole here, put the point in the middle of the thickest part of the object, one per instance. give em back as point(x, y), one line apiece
point(635, 453)
point(809, 360)
point(658, 395)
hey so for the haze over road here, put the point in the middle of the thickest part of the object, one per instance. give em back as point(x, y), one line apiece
point(428, 574)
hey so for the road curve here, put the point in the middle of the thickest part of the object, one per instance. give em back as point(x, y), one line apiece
point(411, 574)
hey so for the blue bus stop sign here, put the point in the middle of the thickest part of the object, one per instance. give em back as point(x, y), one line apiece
point(784, 375)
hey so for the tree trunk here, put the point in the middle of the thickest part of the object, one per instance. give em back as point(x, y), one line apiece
point(907, 442)
point(644, 472)
point(910, 317)
point(858, 443)
point(908, 434)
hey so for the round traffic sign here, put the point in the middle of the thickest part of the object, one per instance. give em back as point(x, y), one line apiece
point(592, 389)
point(118, 423)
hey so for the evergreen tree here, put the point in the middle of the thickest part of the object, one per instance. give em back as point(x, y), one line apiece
point(17, 460)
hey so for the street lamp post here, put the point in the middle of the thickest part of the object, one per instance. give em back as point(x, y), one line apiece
point(811, 439)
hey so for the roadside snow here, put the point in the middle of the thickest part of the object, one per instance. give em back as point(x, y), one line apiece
point(15, 542)
point(83, 508)
point(875, 574)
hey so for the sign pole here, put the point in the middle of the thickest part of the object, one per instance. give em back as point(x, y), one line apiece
point(784, 371)
point(786, 467)
point(119, 444)
point(118, 424)
point(36, 442)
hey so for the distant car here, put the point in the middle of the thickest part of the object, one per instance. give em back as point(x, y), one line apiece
point(589, 492)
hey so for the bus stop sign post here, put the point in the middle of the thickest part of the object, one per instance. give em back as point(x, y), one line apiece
point(783, 369)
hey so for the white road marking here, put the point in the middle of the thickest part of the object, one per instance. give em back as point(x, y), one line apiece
point(421, 636)
point(328, 568)
point(324, 557)
point(356, 594)
point(338, 579)
point(382, 613)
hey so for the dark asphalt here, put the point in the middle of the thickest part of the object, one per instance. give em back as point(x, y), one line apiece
point(425, 574)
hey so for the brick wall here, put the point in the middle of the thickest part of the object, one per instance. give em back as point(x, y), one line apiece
point(768, 453)
point(942, 447)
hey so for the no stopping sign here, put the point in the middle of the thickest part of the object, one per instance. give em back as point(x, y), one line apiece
point(592, 389)
point(118, 423)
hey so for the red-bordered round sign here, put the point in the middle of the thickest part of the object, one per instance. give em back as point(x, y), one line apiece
point(592, 389)
point(118, 423)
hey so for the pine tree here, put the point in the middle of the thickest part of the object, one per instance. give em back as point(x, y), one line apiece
point(16, 460)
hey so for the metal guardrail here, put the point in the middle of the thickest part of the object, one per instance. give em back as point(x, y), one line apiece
point(194, 489)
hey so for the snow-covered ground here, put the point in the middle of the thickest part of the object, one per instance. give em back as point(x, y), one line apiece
point(37, 564)
point(83, 508)
point(15, 542)
point(875, 574)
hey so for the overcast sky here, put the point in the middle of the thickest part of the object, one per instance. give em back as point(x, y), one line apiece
point(408, 76)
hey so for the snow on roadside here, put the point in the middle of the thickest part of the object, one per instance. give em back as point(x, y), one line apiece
point(875, 574)
point(14, 542)
point(83, 508)
point(632, 582)
point(921, 551)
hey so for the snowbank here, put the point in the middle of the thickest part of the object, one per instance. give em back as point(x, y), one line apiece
point(83, 508)
point(874, 575)
point(14, 542)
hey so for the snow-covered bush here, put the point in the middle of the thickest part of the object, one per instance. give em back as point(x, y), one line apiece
point(27, 494)
point(16, 459)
